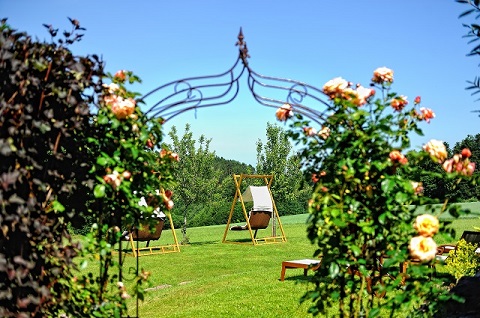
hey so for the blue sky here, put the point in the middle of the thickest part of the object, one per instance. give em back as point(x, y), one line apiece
point(310, 41)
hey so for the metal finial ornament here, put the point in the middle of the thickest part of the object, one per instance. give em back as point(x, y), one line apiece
point(242, 45)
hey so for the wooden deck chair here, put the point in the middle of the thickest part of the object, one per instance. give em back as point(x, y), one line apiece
point(263, 212)
point(144, 234)
point(472, 237)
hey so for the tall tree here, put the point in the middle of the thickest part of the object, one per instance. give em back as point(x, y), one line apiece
point(196, 175)
point(474, 35)
point(276, 157)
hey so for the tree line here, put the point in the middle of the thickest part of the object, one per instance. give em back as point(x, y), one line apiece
point(205, 188)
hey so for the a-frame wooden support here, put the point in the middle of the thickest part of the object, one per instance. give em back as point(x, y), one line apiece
point(273, 238)
point(155, 249)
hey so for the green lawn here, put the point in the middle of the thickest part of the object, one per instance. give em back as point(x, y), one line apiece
point(212, 279)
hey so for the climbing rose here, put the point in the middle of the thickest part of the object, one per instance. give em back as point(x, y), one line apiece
point(422, 248)
point(460, 165)
point(324, 132)
point(284, 112)
point(417, 100)
point(114, 179)
point(112, 87)
point(436, 150)
point(466, 153)
point(123, 107)
point(417, 187)
point(382, 75)
point(398, 103)
point(363, 94)
point(397, 156)
point(120, 75)
point(427, 114)
point(426, 225)
point(309, 131)
point(335, 87)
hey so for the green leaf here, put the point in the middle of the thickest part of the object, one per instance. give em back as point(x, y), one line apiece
point(388, 185)
point(333, 270)
point(58, 207)
point(102, 161)
point(356, 250)
point(99, 191)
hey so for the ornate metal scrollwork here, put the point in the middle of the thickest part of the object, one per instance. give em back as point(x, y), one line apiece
point(214, 90)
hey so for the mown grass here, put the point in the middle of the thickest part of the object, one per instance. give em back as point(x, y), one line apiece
point(213, 279)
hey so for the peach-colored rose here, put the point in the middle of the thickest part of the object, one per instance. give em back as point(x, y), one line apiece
point(422, 248)
point(417, 187)
point(123, 108)
point(426, 225)
point(335, 87)
point(397, 156)
point(382, 75)
point(398, 103)
point(112, 88)
point(120, 75)
point(436, 150)
point(427, 114)
point(114, 179)
point(284, 112)
point(309, 131)
point(324, 132)
point(363, 94)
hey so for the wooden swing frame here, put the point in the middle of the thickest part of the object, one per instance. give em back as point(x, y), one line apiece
point(135, 236)
point(273, 238)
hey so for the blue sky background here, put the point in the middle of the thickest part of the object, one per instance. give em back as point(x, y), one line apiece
point(309, 41)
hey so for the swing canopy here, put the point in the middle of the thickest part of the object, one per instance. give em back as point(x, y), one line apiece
point(260, 196)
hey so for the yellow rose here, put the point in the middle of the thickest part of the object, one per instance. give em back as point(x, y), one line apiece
point(426, 225)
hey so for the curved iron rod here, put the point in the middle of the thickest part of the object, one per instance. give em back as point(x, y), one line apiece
point(194, 97)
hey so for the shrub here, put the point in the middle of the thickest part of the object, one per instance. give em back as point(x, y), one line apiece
point(463, 261)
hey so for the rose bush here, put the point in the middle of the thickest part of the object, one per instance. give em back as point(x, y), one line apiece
point(366, 187)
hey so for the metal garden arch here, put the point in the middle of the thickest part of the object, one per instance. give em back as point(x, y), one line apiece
point(193, 93)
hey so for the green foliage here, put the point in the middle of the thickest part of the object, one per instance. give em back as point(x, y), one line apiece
point(473, 35)
point(61, 163)
point(277, 158)
point(43, 167)
point(463, 261)
point(361, 208)
point(196, 175)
